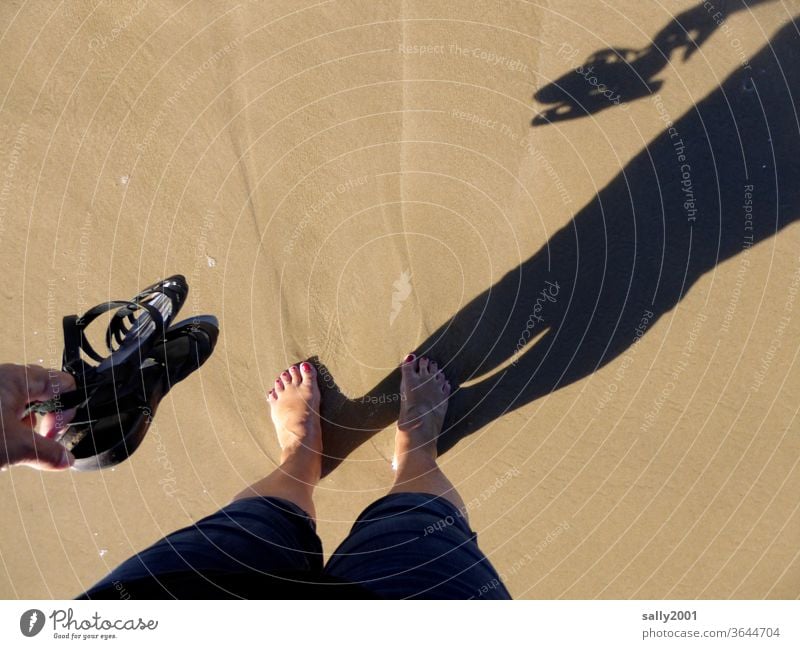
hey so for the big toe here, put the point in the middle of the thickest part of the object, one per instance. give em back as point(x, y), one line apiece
point(308, 374)
point(408, 366)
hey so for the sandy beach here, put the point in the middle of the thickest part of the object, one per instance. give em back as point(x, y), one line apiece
point(585, 211)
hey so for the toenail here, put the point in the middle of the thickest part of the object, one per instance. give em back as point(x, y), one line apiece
point(306, 367)
point(409, 358)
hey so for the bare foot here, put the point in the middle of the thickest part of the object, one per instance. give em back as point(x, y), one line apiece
point(423, 403)
point(294, 407)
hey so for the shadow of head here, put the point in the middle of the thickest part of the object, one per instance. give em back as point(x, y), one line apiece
point(606, 79)
point(612, 77)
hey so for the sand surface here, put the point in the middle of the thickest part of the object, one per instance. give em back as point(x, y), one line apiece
point(493, 183)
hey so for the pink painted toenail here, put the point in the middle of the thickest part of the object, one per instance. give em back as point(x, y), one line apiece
point(409, 358)
point(306, 367)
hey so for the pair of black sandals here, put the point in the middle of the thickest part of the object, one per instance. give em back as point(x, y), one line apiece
point(117, 395)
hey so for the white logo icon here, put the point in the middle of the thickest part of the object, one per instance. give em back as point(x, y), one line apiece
point(402, 289)
point(31, 622)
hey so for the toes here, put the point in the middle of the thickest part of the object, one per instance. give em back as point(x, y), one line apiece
point(271, 395)
point(446, 387)
point(278, 385)
point(286, 377)
point(439, 376)
point(423, 366)
point(407, 368)
point(294, 372)
point(433, 367)
point(308, 372)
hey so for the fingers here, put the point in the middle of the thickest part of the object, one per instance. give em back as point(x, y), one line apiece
point(38, 452)
point(54, 423)
point(39, 383)
point(21, 384)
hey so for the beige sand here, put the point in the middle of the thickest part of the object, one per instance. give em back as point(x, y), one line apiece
point(339, 179)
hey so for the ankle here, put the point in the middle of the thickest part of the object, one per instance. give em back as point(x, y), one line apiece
point(415, 441)
point(302, 463)
point(415, 462)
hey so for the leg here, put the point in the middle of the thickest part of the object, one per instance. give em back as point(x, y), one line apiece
point(423, 403)
point(416, 542)
point(294, 407)
point(264, 543)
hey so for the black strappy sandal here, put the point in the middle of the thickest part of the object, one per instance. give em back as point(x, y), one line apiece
point(117, 398)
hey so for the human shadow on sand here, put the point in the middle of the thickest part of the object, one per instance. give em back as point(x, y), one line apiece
point(626, 258)
point(618, 75)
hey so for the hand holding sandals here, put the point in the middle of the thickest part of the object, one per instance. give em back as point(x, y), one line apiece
point(97, 411)
point(20, 443)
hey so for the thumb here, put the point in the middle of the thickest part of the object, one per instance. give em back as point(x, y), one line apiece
point(45, 454)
